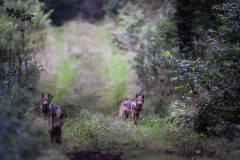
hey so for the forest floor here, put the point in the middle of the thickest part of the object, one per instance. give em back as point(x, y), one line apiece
point(96, 155)
point(83, 68)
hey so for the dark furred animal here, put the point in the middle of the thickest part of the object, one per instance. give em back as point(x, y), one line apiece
point(132, 107)
point(55, 115)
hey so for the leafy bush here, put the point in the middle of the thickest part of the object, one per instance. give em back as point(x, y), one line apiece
point(185, 139)
point(80, 133)
point(159, 106)
point(19, 139)
point(15, 13)
point(227, 14)
point(145, 34)
point(212, 90)
point(15, 32)
point(225, 148)
point(71, 110)
point(150, 127)
point(132, 18)
point(111, 7)
point(178, 108)
point(19, 41)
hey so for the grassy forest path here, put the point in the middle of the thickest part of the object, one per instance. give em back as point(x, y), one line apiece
point(82, 64)
point(88, 77)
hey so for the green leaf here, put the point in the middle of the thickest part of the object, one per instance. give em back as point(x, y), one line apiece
point(173, 79)
point(206, 86)
point(202, 135)
point(168, 54)
point(178, 124)
point(172, 119)
point(177, 88)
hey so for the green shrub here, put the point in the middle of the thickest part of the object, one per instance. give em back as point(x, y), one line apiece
point(150, 127)
point(71, 110)
point(177, 108)
point(185, 139)
point(213, 89)
point(111, 7)
point(226, 149)
point(160, 107)
point(19, 139)
point(146, 35)
point(53, 154)
point(80, 133)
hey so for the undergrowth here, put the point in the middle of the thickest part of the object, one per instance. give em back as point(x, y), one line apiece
point(96, 130)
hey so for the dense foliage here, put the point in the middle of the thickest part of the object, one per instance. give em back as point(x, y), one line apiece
point(145, 33)
point(23, 16)
point(19, 42)
point(211, 82)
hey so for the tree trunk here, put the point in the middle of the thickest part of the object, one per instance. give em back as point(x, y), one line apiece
point(184, 25)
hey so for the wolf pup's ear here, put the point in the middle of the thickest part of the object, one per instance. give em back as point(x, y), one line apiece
point(49, 95)
point(143, 96)
point(136, 96)
point(42, 95)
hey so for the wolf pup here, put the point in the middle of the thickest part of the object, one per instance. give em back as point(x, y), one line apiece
point(132, 107)
point(55, 115)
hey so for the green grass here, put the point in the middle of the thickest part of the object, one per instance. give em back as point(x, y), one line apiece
point(63, 79)
point(108, 131)
point(101, 36)
point(116, 71)
point(93, 130)
point(83, 64)
point(151, 127)
point(59, 37)
point(115, 68)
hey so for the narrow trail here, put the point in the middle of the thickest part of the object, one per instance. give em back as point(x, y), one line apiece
point(81, 63)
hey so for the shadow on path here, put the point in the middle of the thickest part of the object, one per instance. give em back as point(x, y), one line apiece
point(96, 155)
point(93, 155)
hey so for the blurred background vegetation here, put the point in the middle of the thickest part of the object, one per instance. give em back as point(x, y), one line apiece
point(93, 54)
